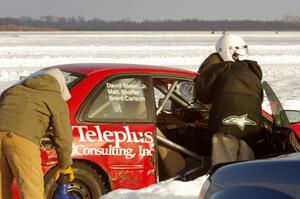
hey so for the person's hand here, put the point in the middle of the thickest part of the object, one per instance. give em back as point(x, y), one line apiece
point(68, 171)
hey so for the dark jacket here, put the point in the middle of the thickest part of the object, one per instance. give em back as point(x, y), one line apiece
point(29, 108)
point(235, 93)
point(212, 59)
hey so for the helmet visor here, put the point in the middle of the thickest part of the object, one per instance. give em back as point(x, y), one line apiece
point(242, 50)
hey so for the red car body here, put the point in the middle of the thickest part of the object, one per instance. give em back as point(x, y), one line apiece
point(123, 151)
point(123, 172)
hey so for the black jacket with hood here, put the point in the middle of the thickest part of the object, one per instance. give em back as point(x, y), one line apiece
point(235, 93)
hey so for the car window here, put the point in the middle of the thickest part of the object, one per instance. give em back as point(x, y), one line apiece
point(123, 98)
point(158, 95)
point(185, 89)
point(183, 92)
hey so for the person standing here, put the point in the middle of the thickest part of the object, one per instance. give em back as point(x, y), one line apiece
point(233, 88)
point(27, 110)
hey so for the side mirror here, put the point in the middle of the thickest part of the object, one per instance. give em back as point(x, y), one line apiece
point(293, 116)
point(167, 107)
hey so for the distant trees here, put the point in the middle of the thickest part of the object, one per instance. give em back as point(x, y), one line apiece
point(291, 19)
point(80, 23)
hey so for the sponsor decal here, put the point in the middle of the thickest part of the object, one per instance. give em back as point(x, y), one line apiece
point(239, 121)
point(114, 140)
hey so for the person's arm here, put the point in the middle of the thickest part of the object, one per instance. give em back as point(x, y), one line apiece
point(212, 59)
point(63, 136)
point(256, 69)
point(202, 90)
point(204, 83)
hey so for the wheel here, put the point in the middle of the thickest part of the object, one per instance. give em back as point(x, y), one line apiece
point(88, 183)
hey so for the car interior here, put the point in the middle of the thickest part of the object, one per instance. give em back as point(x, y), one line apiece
point(184, 146)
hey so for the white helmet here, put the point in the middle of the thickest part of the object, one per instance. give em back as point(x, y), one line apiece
point(230, 44)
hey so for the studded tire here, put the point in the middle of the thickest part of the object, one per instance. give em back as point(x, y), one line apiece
point(88, 183)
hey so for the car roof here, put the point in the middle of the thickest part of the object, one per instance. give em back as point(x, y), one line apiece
point(90, 68)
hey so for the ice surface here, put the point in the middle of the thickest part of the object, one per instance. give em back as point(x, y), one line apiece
point(163, 190)
point(21, 53)
point(24, 52)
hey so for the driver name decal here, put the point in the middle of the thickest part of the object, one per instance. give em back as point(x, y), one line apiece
point(132, 92)
point(95, 141)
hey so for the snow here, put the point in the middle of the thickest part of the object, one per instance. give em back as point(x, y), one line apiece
point(22, 53)
point(162, 190)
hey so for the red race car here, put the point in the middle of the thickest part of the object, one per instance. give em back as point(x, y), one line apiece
point(135, 125)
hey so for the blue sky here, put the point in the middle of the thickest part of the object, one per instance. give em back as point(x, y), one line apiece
point(153, 9)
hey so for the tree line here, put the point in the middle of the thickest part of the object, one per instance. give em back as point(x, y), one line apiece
point(79, 23)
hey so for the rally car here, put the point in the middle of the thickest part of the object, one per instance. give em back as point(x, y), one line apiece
point(135, 125)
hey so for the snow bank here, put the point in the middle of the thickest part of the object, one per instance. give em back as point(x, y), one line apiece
point(163, 190)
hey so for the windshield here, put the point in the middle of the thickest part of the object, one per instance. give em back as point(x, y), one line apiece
point(279, 116)
point(72, 78)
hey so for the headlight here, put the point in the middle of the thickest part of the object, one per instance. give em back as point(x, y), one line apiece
point(204, 188)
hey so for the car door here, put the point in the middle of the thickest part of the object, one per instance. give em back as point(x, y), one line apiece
point(277, 135)
point(116, 130)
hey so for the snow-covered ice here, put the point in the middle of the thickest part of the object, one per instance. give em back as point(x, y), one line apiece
point(162, 190)
point(24, 52)
point(21, 53)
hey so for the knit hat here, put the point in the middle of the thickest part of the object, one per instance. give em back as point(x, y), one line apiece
point(58, 75)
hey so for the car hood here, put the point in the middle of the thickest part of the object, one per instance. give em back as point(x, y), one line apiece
point(291, 156)
point(281, 167)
